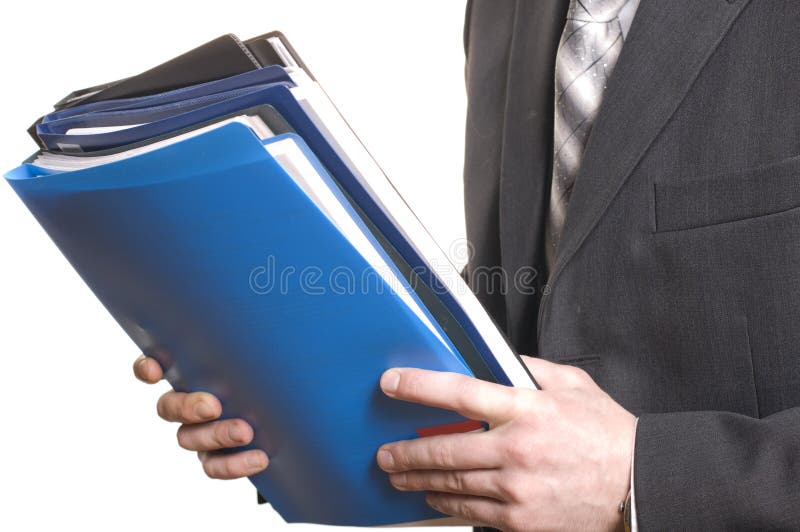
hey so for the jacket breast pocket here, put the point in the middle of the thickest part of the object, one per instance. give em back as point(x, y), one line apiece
point(724, 198)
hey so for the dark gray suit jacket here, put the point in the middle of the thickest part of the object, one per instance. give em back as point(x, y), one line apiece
point(677, 281)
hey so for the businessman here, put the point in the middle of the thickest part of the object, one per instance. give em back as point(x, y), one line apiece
point(644, 157)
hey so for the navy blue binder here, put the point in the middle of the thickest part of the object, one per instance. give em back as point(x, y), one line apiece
point(262, 76)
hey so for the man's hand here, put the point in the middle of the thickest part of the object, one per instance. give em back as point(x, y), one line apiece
point(555, 459)
point(200, 432)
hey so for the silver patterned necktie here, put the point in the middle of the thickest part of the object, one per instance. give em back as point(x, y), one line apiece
point(589, 48)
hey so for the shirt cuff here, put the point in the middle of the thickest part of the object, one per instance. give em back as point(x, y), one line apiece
point(634, 522)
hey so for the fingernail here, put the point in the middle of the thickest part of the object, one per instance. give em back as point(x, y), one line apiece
point(237, 434)
point(255, 460)
point(390, 381)
point(398, 479)
point(431, 501)
point(385, 459)
point(204, 410)
point(140, 363)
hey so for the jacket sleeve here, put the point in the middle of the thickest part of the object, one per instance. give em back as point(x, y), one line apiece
point(718, 471)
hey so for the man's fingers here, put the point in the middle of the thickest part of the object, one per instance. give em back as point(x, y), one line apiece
point(189, 408)
point(477, 482)
point(470, 397)
point(452, 451)
point(476, 510)
point(226, 466)
point(147, 370)
point(552, 376)
point(215, 435)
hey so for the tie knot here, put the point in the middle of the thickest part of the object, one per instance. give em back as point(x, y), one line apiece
point(595, 10)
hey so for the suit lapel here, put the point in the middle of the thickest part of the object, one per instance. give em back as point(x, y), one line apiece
point(526, 154)
point(667, 46)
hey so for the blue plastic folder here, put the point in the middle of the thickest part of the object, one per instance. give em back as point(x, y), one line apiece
point(280, 96)
point(170, 242)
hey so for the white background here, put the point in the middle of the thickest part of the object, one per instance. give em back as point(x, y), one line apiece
point(80, 443)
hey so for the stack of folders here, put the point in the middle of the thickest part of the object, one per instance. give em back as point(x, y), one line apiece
point(225, 214)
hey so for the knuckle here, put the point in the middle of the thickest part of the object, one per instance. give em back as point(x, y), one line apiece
point(442, 456)
point(424, 481)
point(466, 510)
point(401, 456)
point(415, 482)
point(520, 401)
point(222, 467)
point(226, 467)
point(512, 490)
point(220, 435)
point(209, 469)
point(428, 481)
point(577, 376)
point(454, 482)
point(520, 451)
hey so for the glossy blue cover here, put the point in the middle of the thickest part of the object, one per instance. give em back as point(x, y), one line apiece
point(281, 98)
point(179, 244)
